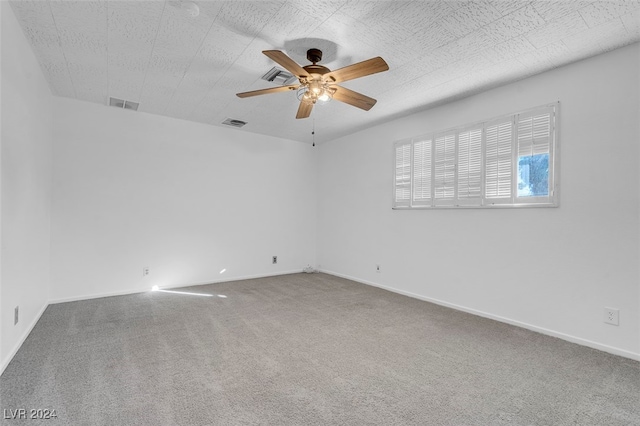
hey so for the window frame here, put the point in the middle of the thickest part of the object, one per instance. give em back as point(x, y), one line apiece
point(512, 200)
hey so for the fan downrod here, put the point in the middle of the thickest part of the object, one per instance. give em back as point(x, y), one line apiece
point(314, 55)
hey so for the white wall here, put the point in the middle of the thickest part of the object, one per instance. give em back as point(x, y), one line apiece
point(26, 156)
point(185, 199)
point(480, 260)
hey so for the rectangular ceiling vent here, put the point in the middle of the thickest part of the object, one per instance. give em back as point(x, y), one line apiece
point(121, 103)
point(234, 123)
point(278, 76)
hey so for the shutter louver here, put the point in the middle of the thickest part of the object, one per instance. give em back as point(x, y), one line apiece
point(445, 167)
point(422, 172)
point(498, 167)
point(470, 165)
point(402, 190)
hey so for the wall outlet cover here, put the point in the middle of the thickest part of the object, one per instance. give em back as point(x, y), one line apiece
point(612, 316)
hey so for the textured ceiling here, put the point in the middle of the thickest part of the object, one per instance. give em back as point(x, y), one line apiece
point(173, 64)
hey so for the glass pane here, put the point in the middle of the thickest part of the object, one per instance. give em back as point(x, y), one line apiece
point(533, 175)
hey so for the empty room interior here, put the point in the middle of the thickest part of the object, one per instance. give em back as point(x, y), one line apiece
point(329, 212)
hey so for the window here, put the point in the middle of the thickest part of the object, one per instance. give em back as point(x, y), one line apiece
point(508, 161)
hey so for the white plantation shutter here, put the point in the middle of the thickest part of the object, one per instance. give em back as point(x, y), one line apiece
point(470, 166)
point(422, 172)
point(445, 168)
point(505, 162)
point(402, 187)
point(535, 136)
point(534, 133)
point(499, 161)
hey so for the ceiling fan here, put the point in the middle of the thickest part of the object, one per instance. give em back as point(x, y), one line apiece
point(319, 83)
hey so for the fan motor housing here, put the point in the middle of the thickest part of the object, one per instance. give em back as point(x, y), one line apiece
point(314, 55)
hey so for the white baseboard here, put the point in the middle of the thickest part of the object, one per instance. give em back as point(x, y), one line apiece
point(16, 347)
point(142, 290)
point(542, 330)
point(245, 277)
point(95, 296)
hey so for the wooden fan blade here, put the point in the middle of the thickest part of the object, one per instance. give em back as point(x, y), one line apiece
point(304, 110)
point(368, 67)
point(288, 63)
point(356, 99)
point(266, 91)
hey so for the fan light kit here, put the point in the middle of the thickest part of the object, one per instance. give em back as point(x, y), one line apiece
point(315, 92)
point(319, 84)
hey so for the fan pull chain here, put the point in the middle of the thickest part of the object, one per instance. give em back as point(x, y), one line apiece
point(313, 133)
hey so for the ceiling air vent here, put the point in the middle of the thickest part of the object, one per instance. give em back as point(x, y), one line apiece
point(234, 123)
point(121, 103)
point(278, 76)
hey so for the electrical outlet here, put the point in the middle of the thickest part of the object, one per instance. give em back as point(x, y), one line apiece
point(377, 268)
point(612, 316)
point(145, 271)
point(15, 315)
point(274, 260)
